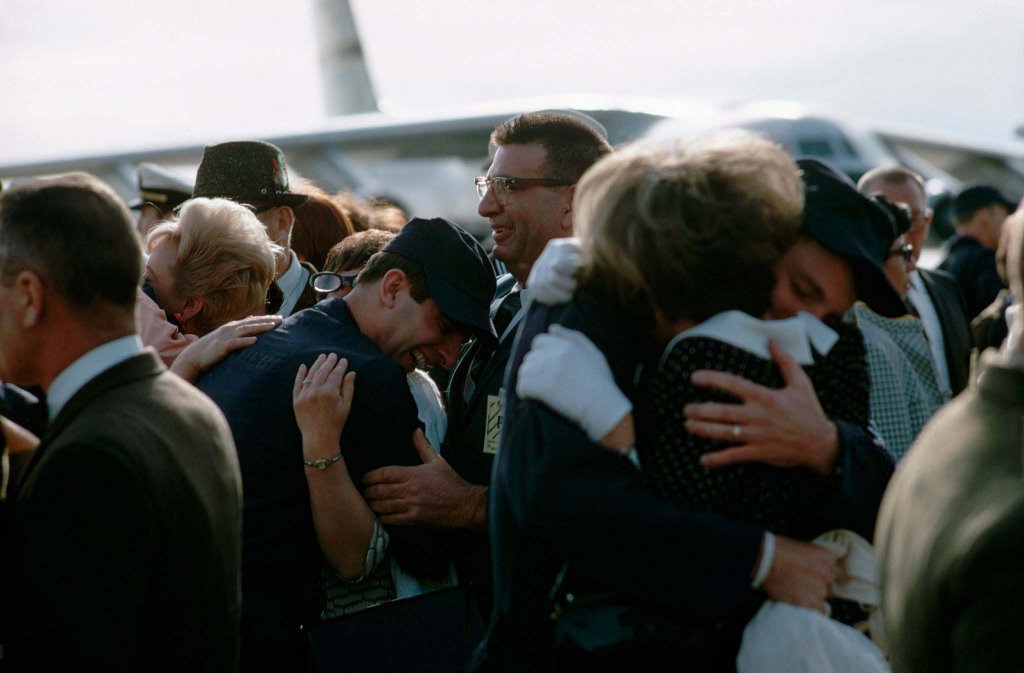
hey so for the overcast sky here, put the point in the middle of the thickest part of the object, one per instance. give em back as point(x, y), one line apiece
point(108, 75)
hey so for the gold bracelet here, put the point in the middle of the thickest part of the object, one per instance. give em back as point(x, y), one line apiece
point(322, 463)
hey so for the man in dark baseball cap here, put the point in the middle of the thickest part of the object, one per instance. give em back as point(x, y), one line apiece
point(977, 196)
point(980, 211)
point(414, 304)
point(458, 272)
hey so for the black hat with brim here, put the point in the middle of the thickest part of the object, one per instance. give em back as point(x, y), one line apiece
point(248, 171)
point(855, 227)
point(459, 274)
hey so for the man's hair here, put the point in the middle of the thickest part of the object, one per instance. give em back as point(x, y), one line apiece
point(382, 262)
point(77, 234)
point(891, 175)
point(690, 228)
point(319, 224)
point(223, 256)
point(356, 250)
point(571, 145)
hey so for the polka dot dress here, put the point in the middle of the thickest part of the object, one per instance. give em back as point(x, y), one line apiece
point(778, 499)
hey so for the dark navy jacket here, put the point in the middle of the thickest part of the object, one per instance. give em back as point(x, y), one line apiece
point(253, 387)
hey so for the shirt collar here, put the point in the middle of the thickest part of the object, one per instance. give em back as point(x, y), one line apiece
point(291, 283)
point(88, 367)
point(797, 336)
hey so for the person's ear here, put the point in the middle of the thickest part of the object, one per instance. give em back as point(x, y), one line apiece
point(390, 286)
point(285, 221)
point(190, 309)
point(28, 288)
point(565, 207)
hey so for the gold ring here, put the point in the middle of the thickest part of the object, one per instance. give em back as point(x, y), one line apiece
point(736, 431)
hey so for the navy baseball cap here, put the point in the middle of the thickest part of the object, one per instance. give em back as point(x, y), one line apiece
point(459, 274)
point(855, 227)
point(977, 196)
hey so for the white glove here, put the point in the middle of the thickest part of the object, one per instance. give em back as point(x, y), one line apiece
point(552, 280)
point(567, 372)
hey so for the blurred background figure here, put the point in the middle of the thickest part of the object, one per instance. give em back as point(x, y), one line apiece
point(934, 295)
point(160, 192)
point(980, 211)
point(320, 223)
point(991, 326)
point(371, 213)
point(951, 529)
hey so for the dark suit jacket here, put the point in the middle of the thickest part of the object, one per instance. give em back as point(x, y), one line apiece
point(948, 300)
point(307, 299)
point(128, 531)
point(951, 534)
point(974, 267)
point(471, 442)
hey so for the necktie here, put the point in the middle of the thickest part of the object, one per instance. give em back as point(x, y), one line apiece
point(507, 310)
point(502, 318)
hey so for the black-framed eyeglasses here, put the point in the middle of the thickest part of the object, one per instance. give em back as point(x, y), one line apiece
point(504, 186)
point(328, 281)
point(906, 251)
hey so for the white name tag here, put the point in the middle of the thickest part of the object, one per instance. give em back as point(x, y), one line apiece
point(492, 429)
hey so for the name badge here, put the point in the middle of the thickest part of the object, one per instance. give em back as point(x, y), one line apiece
point(492, 429)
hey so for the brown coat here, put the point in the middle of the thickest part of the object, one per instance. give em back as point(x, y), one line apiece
point(127, 532)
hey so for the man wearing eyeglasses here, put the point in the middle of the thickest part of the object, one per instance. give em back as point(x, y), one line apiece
point(527, 197)
point(934, 295)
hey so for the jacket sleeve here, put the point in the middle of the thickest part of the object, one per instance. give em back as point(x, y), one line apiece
point(851, 495)
point(591, 507)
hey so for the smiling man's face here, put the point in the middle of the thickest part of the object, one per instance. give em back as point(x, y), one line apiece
point(526, 219)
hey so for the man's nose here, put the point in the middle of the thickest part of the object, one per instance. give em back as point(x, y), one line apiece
point(489, 205)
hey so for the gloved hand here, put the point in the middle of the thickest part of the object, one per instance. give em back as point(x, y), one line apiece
point(552, 280)
point(567, 372)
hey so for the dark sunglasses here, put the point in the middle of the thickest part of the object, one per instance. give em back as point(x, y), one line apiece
point(906, 251)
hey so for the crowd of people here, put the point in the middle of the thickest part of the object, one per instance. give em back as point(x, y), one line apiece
point(695, 407)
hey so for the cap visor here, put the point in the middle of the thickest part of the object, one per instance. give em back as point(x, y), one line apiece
point(462, 308)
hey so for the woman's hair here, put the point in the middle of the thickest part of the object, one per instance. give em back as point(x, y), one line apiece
point(375, 213)
point(224, 256)
point(319, 224)
point(690, 228)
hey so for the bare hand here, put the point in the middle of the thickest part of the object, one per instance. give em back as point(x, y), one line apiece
point(431, 494)
point(322, 399)
point(204, 353)
point(801, 574)
point(785, 427)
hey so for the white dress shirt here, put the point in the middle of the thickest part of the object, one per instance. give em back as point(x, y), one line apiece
point(922, 303)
